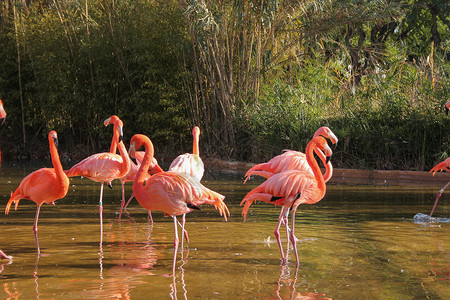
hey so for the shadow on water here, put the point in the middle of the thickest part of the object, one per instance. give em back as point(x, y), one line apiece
point(358, 242)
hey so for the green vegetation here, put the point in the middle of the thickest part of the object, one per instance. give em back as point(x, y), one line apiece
point(257, 77)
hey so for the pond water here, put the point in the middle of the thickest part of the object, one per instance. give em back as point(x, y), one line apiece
point(359, 242)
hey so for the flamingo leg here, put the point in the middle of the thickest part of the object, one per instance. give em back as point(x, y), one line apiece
point(186, 236)
point(438, 196)
point(292, 236)
point(129, 200)
point(150, 218)
point(286, 224)
point(277, 233)
point(123, 200)
point(100, 208)
point(175, 245)
point(35, 229)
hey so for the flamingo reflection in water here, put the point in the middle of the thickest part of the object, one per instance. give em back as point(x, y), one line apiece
point(289, 283)
point(290, 189)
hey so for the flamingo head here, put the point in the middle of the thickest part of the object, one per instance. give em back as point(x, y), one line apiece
point(111, 120)
point(53, 137)
point(326, 133)
point(196, 131)
point(118, 125)
point(136, 142)
point(447, 107)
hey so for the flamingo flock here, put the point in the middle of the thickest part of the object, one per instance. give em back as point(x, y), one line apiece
point(292, 178)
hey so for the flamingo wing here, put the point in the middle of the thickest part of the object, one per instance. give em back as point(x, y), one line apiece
point(100, 167)
point(40, 186)
point(189, 164)
point(176, 194)
point(282, 189)
point(289, 160)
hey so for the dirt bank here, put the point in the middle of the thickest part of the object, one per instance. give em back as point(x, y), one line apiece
point(350, 176)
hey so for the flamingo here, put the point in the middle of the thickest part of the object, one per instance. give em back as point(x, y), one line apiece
point(442, 166)
point(104, 167)
point(2, 119)
point(45, 185)
point(290, 189)
point(170, 192)
point(129, 177)
point(291, 160)
point(190, 164)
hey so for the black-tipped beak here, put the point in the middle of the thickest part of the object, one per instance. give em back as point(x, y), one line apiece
point(446, 111)
point(2, 120)
point(327, 160)
point(133, 159)
point(120, 138)
point(335, 146)
point(55, 140)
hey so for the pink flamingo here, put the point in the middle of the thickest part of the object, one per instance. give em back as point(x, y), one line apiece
point(2, 119)
point(290, 189)
point(442, 166)
point(292, 160)
point(42, 186)
point(190, 164)
point(154, 167)
point(170, 192)
point(104, 167)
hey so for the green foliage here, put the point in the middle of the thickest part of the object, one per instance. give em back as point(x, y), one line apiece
point(257, 77)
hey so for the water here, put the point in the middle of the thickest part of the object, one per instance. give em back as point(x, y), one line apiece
point(359, 242)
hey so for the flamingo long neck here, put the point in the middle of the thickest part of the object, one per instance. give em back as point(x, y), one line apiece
point(146, 162)
point(126, 163)
point(56, 161)
point(328, 166)
point(315, 166)
point(195, 147)
point(115, 140)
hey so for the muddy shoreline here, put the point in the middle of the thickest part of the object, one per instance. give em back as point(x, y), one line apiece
point(351, 176)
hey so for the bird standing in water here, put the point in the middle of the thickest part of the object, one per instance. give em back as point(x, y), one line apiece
point(190, 164)
point(104, 167)
point(129, 177)
point(170, 192)
point(45, 185)
point(442, 166)
point(290, 189)
point(2, 120)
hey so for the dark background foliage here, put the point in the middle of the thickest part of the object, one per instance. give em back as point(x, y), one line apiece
point(257, 77)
